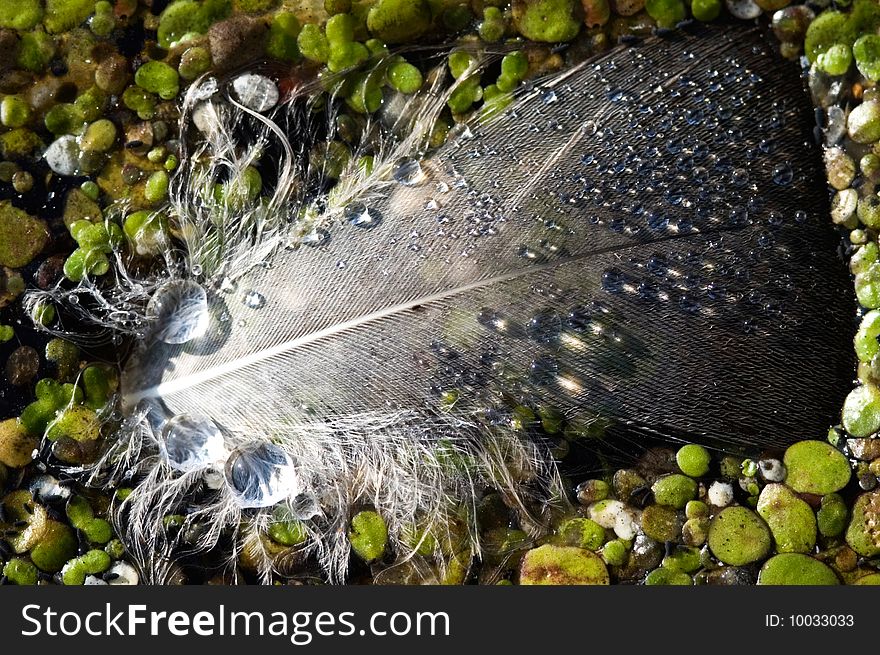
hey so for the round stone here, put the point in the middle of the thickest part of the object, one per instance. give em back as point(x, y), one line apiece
point(180, 311)
point(816, 467)
point(192, 442)
point(261, 475)
point(256, 92)
point(62, 155)
point(738, 536)
point(796, 569)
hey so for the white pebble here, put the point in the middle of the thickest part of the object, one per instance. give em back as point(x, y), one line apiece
point(94, 581)
point(256, 92)
point(743, 9)
point(62, 155)
point(126, 574)
point(720, 494)
point(208, 115)
point(605, 512)
point(627, 523)
point(772, 470)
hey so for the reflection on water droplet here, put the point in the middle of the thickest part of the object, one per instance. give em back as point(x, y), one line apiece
point(543, 370)
point(192, 442)
point(408, 172)
point(359, 215)
point(253, 299)
point(179, 309)
point(782, 174)
point(261, 475)
point(315, 238)
point(228, 285)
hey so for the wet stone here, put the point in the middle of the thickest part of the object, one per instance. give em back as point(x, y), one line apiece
point(790, 519)
point(256, 92)
point(816, 467)
point(863, 532)
point(22, 237)
point(796, 569)
point(555, 565)
point(22, 366)
point(738, 536)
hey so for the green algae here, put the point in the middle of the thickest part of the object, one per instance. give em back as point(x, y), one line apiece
point(555, 565)
point(22, 236)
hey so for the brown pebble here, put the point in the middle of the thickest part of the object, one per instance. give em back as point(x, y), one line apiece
point(22, 366)
point(50, 272)
point(864, 449)
point(235, 41)
point(112, 74)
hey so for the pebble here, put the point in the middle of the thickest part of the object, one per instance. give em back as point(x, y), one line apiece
point(863, 532)
point(796, 569)
point(843, 206)
point(840, 167)
point(562, 565)
point(22, 366)
point(256, 92)
point(790, 519)
point(738, 536)
point(62, 155)
point(720, 494)
point(816, 467)
point(674, 490)
point(772, 470)
point(122, 573)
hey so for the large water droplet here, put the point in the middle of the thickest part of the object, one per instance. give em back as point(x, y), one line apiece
point(253, 299)
point(782, 174)
point(408, 172)
point(359, 215)
point(179, 309)
point(192, 442)
point(261, 475)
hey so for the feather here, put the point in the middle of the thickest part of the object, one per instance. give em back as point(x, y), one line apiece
point(641, 240)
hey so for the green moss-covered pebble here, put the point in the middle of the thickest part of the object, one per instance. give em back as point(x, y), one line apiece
point(194, 62)
point(664, 576)
point(863, 123)
point(16, 444)
point(548, 21)
point(14, 111)
point(146, 231)
point(288, 533)
point(63, 118)
point(828, 29)
point(693, 460)
point(22, 237)
point(20, 14)
point(368, 535)
point(582, 533)
point(866, 51)
point(405, 77)
point(99, 136)
point(816, 467)
point(159, 78)
point(863, 532)
point(562, 565)
point(156, 189)
point(790, 519)
point(282, 40)
point(683, 558)
point(20, 572)
point(738, 536)
point(831, 515)
point(661, 523)
point(399, 21)
point(674, 490)
point(57, 546)
point(667, 13)
point(36, 51)
point(836, 60)
point(706, 10)
point(615, 552)
point(313, 43)
point(796, 569)
point(64, 15)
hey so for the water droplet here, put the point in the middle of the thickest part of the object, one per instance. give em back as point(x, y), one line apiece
point(228, 285)
point(359, 215)
point(549, 97)
point(192, 442)
point(261, 475)
point(408, 172)
point(179, 309)
point(254, 299)
point(315, 238)
point(544, 327)
point(543, 370)
point(256, 92)
point(782, 174)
